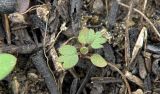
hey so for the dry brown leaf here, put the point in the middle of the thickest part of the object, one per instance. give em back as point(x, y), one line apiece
point(42, 12)
point(17, 18)
point(139, 43)
point(15, 85)
point(138, 91)
point(134, 78)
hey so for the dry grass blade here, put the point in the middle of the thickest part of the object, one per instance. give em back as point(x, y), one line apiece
point(139, 43)
point(127, 44)
point(134, 79)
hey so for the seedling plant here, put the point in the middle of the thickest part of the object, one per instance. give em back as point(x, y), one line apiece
point(89, 40)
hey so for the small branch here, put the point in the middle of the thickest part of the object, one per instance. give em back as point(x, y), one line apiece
point(40, 63)
point(123, 76)
point(88, 75)
point(142, 21)
point(146, 18)
point(22, 49)
point(143, 9)
point(127, 44)
point(7, 29)
point(68, 40)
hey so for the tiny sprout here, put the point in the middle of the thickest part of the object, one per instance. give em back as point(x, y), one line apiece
point(89, 39)
point(84, 50)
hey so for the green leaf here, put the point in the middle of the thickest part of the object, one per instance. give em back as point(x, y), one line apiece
point(7, 63)
point(68, 61)
point(97, 43)
point(83, 35)
point(84, 50)
point(98, 60)
point(68, 57)
point(98, 35)
point(88, 36)
point(67, 50)
point(91, 36)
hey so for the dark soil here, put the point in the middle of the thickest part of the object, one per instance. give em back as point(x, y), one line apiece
point(30, 36)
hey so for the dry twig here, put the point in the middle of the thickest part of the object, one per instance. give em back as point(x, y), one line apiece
point(7, 29)
point(127, 44)
point(123, 76)
point(144, 16)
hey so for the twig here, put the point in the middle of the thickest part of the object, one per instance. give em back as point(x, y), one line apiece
point(40, 63)
point(63, 28)
point(85, 80)
point(146, 18)
point(68, 40)
point(143, 9)
point(7, 29)
point(33, 8)
point(58, 66)
point(47, 63)
point(74, 74)
point(123, 76)
point(127, 44)
point(21, 49)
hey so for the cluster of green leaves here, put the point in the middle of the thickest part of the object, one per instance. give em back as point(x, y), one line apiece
point(94, 39)
point(88, 38)
point(7, 63)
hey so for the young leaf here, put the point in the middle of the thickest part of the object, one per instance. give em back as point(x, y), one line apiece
point(88, 36)
point(7, 63)
point(97, 43)
point(69, 61)
point(67, 50)
point(83, 35)
point(84, 50)
point(98, 60)
point(91, 36)
point(98, 34)
point(68, 57)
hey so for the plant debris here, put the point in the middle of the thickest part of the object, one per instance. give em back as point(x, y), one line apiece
point(81, 46)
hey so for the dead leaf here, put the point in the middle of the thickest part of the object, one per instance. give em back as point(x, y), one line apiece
point(15, 85)
point(17, 18)
point(139, 43)
point(42, 12)
point(138, 91)
point(134, 79)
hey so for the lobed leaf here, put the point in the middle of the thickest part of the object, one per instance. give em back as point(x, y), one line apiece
point(88, 36)
point(91, 36)
point(97, 43)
